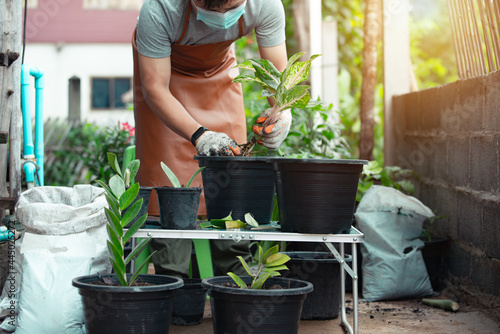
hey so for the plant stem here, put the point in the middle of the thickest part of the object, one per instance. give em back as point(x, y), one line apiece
point(247, 148)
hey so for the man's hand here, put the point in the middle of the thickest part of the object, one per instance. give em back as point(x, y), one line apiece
point(216, 144)
point(272, 135)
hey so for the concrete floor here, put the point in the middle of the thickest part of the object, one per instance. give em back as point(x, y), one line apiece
point(386, 317)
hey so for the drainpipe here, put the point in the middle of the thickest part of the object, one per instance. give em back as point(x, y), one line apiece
point(32, 154)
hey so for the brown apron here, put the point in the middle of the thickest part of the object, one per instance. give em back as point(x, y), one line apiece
point(202, 81)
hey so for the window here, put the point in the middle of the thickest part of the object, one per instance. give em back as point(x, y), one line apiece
point(107, 92)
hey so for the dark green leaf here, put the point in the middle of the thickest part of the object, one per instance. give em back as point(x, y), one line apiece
point(132, 212)
point(193, 176)
point(115, 252)
point(245, 265)
point(113, 162)
point(142, 265)
point(134, 228)
point(257, 284)
point(114, 221)
point(117, 186)
point(119, 273)
point(139, 248)
point(241, 283)
point(129, 196)
point(265, 71)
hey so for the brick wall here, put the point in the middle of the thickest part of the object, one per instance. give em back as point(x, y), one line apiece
point(450, 136)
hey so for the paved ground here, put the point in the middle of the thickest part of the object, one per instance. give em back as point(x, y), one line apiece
point(387, 317)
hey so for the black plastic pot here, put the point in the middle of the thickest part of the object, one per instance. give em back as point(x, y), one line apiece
point(119, 309)
point(178, 207)
point(317, 195)
point(145, 194)
point(189, 303)
point(434, 254)
point(266, 311)
point(323, 271)
point(238, 185)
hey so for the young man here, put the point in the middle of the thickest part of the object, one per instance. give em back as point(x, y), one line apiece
point(186, 103)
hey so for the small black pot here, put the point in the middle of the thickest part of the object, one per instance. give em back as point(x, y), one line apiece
point(323, 271)
point(434, 252)
point(178, 207)
point(119, 309)
point(189, 303)
point(145, 194)
point(238, 185)
point(266, 311)
point(316, 195)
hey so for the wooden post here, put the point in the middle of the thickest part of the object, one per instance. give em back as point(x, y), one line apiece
point(396, 41)
point(10, 94)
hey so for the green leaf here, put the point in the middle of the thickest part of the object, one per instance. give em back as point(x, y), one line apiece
point(113, 162)
point(105, 186)
point(277, 260)
point(120, 264)
point(241, 283)
point(282, 267)
point(115, 252)
point(193, 176)
point(114, 221)
point(134, 228)
point(250, 220)
point(113, 204)
point(259, 282)
point(265, 71)
point(206, 224)
point(113, 237)
point(242, 78)
point(271, 251)
point(132, 212)
point(295, 73)
point(297, 96)
point(129, 196)
point(171, 176)
point(228, 217)
point(117, 186)
point(245, 265)
point(119, 274)
point(133, 167)
point(142, 265)
point(139, 248)
point(247, 65)
point(259, 254)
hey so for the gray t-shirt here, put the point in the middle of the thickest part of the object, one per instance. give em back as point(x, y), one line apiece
point(161, 22)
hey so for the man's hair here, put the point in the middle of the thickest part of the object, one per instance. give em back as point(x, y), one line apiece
point(212, 4)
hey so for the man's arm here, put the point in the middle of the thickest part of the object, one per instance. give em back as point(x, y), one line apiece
point(155, 80)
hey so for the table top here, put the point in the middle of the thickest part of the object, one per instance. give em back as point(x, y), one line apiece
point(354, 235)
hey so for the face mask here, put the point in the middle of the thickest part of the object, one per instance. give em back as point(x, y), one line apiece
point(218, 20)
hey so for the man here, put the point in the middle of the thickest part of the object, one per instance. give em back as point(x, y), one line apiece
point(185, 100)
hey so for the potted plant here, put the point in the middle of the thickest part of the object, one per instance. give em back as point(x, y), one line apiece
point(434, 252)
point(246, 184)
point(189, 303)
point(122, 302)
point(260, 302)
point(178, 204)
point(314, 195)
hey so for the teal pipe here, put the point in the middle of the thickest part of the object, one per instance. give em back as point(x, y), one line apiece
point(30, 151)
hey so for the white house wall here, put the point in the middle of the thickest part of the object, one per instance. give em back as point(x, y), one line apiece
point(60, 62)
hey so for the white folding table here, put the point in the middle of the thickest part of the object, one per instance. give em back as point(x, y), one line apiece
point(353, 237)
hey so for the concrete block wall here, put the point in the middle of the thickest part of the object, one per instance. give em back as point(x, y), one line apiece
point(450, 136)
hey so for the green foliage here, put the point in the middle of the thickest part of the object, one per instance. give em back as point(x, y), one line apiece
point(388, 176)
point(123, 208)
point(77, 155)
point(268, 265)
point(173, 178)
point(315, 132)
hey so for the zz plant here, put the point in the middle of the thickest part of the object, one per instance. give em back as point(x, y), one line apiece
point(123, 209)
point(282, 87)
point(268, 265)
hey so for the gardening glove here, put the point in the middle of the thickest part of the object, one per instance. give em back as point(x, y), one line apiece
point(272, 135)
point(216, 144)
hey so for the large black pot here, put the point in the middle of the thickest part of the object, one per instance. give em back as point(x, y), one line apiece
point(189, 303)
point(238, 185)
point(317, 195)
point(121, 309)
point(323, 271)
point(266, 311)
point(178, 207)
